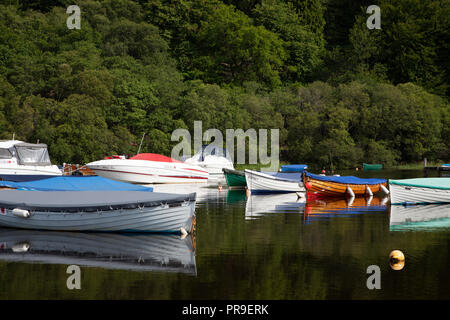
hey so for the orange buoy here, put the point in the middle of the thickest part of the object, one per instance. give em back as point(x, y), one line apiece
point(397, 260)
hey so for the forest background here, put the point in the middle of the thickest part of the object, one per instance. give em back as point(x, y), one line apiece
point(339, 92)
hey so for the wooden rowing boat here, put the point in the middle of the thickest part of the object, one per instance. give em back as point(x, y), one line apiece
point(336, 186)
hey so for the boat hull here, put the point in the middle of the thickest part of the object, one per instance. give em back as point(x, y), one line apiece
point(258, 182)
point(401, 194)
point(21, 173)
point(368, 166)
point(135, 212)
point(235, 178)
point(25, 177)
point(148, 172)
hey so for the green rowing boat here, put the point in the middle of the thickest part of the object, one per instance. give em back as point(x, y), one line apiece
point(377, 166)
point(235, 178)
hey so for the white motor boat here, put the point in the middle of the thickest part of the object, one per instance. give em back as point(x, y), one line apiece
point(213, 160)
point(148, 168)
point(20, 161)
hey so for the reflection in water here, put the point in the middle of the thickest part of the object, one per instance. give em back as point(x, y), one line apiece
point(138, 252)
point(205, 193)
point(419, 217)
point(236, 196)
point(260, 205)
point(332, 207)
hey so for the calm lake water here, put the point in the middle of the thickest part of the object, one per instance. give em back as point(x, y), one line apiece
point(257, 247)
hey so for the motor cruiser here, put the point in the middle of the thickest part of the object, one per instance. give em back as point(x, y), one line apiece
point(20, 161)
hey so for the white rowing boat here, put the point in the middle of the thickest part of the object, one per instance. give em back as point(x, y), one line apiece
point(123, 211)
point(420, 191)
point(273, 182)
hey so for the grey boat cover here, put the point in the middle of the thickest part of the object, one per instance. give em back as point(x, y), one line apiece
point(74, 201)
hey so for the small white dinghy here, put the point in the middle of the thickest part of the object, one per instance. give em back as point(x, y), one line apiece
point(273, 182)
point(123, 211)
point(420, 191)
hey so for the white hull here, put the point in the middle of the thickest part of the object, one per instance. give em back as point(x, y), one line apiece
point(419, 216)
point(154, 219)
point(401, 194)
point(125, 211)
point(30, 170)
point(260, 182)
point(260, 205)
point(148, 172)
point(213, 165)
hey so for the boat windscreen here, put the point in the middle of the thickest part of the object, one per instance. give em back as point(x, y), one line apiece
point(33, 155)
point(5, 154)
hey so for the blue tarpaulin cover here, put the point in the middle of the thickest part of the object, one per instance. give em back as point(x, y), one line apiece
point(294, 168)
point(346, 179)
point(74, 183)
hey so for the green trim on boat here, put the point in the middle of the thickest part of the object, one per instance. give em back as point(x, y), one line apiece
point(235, 178)
point(432, 183)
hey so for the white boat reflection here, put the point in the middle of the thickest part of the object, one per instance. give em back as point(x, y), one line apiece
point(259, 205)
point(135, 252)
point(204, 193)
point(419, 217)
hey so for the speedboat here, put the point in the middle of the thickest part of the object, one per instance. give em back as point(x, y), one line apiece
point(20, 161)
point(148, 168)
point(213, 160)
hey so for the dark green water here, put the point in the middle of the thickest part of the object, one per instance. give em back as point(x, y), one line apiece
point(255, 248)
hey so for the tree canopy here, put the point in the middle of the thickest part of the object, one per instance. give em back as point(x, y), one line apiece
point(339, 93)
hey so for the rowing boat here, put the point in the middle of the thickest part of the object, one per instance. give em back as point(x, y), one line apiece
point(420, 191)
point(337, 186)
point(273, 182)
point(368, 166)
point(123, 211)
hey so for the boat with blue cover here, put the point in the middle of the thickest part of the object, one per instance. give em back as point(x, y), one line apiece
point(294, 167)
point(341, 186)
point(94, 204)
point(273, 182)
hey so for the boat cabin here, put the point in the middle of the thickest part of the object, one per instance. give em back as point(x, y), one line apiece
point(27, 154)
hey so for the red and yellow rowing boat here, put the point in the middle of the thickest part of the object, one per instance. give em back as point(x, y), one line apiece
point(337, 186)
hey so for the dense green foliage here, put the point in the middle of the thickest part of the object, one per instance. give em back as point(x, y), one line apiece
point(340, 93)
